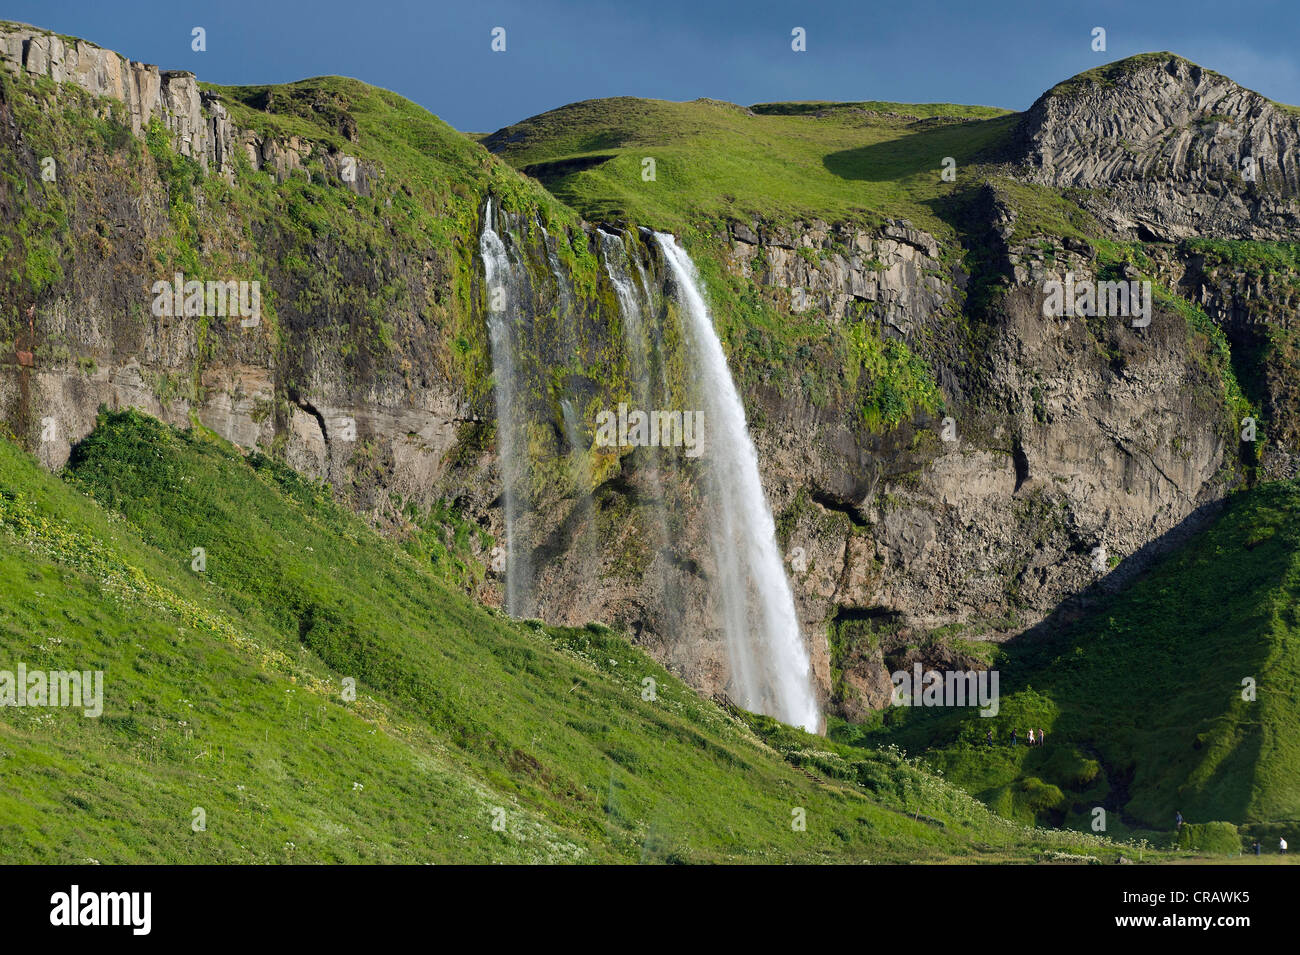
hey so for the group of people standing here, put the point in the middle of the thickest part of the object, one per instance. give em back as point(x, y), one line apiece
point(1030, 740)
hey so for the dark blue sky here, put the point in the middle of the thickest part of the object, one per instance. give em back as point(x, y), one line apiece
point(995, 52)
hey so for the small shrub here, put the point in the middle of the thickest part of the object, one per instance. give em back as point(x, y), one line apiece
point(1211, 838)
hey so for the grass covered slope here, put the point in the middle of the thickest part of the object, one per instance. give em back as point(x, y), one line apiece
point(1143, 698)
point(224, 691)
point(840, 162)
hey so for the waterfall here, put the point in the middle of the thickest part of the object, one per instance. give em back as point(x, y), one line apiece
point(771, 672)
point(770, 668)
point(561, 284)
point(504, 300)
point(648, 295)
point(577, 449)
point(640, 347)
point(635, 337)
point(580, 472)
point(584, 604)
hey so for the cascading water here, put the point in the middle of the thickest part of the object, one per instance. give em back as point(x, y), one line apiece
point(561, 283)
point(503, 295)
point(771, 672)
point(580, 470)
point(635, 339)
point(586, 542)
point(648, 296)
point(638, 344)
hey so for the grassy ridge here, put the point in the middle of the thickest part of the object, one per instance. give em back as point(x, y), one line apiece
point(717, 160)
point(223, 690)
point(912, 110)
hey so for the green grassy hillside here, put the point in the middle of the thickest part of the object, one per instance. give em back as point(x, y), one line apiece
point(1142, 699)
point(840, 162)
point(224, 691)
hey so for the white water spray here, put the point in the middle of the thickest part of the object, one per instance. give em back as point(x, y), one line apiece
point(771, 672)
point(503, 302)
point(635, 339)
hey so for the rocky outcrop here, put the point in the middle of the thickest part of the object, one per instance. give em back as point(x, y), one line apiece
point(1258, 309)
point(199, 124)
point(1170, 149)
point(92, 340)
point(201, 131)
point(828, 270)
point(1077, 448)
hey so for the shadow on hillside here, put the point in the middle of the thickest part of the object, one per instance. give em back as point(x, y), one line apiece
point(923, 149)
point(550, 173)
point(1124, 575)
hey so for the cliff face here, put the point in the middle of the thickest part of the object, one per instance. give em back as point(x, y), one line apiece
point(1066, 436)
point(1207, 173)
point(370, 366)
point(1255, 302)
point(145, 91)
point(1173, 150)
point(105, 349)
point(200, 127)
